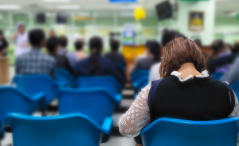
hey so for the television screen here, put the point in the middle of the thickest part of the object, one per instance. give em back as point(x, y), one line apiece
point(40, 18)
point(61, 18)
point(164, 10)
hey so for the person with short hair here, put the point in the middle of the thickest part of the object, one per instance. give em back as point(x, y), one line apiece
point(96, 65)
point(34, 61)
point(114, 54)
point(152, 56)
point(21, 40)
point(52, 46)
point(186, 91)
point(79, 49)
point(63, 42)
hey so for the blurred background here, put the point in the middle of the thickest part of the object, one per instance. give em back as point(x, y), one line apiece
point(145, 18)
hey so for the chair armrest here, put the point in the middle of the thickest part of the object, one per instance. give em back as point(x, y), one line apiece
point(107, 125)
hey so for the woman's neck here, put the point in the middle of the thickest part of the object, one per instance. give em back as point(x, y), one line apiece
point(188, 69)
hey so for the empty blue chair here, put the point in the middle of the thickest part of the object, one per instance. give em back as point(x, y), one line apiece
point(217, 75)
point(141, 83)
point(67, 130)
point(95, 103)
point(14, 101)
point(140, 73)
point(35, 84)
point(63, 77)
point(107, 82)
point(140, 79)
point(176, 132)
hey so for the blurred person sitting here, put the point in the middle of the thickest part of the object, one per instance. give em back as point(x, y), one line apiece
point(222, 58)
point(232, 75)
point(52, 46)
point(152, 56)
point(34, 61)
point(3, 45)
point(167, 36)
point(114, 55)
point(79, 50)
point(185, 92)
point(21, 40)
point(63, 41)
point(96, 65)
point(52, 33)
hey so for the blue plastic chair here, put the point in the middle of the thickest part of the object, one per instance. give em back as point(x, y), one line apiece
point(13, 100)
point(217, 75)
point(140, 73)
point(35, 84)
point(67, 130)
point(140, 79)
point(107, 82)
point(141, 83)
point(95, 103)
point(176, 132)
point(235, 87)
point(63, 77)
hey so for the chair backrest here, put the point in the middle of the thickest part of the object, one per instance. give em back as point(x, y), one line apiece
point(95, 103)
point(176, 132)
point(140, 73)
point(235, 87)
point(141, 83)
point(35, 84)
point(107, 82)
point(68, 130)
point(63, 76)
point(217, 75)
point(13, 100)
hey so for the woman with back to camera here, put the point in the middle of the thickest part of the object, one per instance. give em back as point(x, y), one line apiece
point(185, 92)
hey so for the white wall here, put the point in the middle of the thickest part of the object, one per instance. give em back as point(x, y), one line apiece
point(208, 7)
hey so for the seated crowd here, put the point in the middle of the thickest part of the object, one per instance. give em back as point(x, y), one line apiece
point(179, 84)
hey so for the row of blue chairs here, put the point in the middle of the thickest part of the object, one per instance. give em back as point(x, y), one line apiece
point(90, 96)
point(77, 129)
point(65, 130)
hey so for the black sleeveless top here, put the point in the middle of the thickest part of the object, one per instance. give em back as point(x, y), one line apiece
point(200, 99)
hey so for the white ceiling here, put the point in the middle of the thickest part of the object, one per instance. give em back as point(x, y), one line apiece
point(222, 6)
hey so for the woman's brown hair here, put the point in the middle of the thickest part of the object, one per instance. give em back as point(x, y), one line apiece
point(180, 51)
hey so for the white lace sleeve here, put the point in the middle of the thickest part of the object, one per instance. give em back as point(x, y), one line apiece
point(138, 116)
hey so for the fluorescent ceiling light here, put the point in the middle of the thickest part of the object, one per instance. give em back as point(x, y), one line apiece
point(69, 7)
point(9, 7)
point(57, 1)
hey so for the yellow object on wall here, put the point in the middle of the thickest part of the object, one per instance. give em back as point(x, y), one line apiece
point(139, 13)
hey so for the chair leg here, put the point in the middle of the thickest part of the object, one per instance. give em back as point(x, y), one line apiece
point(43, 108)
point(105, 138)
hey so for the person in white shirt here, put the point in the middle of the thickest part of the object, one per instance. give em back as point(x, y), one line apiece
point(21, 40)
